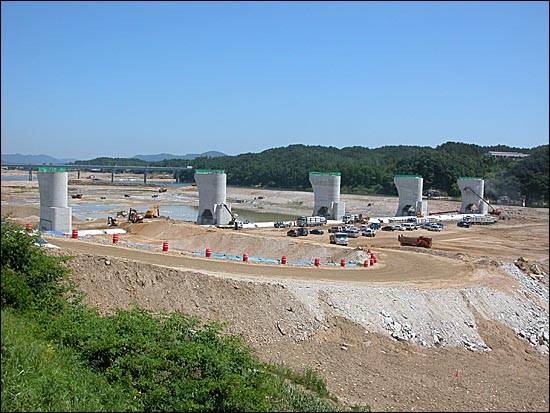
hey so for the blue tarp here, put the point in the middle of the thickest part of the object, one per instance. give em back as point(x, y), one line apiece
point(54, 233)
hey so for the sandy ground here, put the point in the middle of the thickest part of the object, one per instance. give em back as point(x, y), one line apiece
point(445, 329)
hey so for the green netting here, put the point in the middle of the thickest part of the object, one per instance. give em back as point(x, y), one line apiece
point(209, 171)
point(51, 169)
point(325, 173)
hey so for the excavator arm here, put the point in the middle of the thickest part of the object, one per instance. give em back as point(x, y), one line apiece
point(494, 210)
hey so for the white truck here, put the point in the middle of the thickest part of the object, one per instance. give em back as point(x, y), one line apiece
point(339, 238)
point(311, 221)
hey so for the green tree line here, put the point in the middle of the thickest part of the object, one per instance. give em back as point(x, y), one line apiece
point(60, 355)
point(371, 171)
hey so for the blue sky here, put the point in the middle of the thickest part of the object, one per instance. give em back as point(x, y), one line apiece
point(89, 79)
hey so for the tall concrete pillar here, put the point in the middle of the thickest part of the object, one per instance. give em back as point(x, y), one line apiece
point(55, 214)
point(213, 209)
point(472, 191)
point(326, 191)
point(409, 188)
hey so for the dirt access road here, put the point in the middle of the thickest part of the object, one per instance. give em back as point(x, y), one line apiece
point(391, 336)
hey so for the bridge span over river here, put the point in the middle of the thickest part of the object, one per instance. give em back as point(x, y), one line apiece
point(97, 168)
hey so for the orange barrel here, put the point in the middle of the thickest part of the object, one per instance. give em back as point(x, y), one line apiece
point(28, 226)
point(317, 262)
point(343, 262)
point(165, 246)
point(208, 253)
point(369, 250)
point(283, 259)
point(371, 261)
point(366, 263)
point(75, 233)
point(245, 257)
point(115, 238)
point(374, 258)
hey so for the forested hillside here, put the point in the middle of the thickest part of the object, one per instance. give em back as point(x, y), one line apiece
point(371, 171)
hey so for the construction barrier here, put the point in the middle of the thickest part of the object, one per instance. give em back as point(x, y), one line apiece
point(28, 226)
point(75, 233)
point(245, 257)
point(371, 261)
point(317, 262)
point(283, 259)
point(366, 263)
point(374, 258)
point(115, 238)
point(165, 246)
point(343, 262)
point(208, 253)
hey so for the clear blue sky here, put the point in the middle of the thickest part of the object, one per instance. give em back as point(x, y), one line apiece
point(88, 79)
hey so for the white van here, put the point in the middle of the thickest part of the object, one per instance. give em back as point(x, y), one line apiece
point(409, 226)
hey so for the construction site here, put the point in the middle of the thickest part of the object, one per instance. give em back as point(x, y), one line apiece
point(456, 323)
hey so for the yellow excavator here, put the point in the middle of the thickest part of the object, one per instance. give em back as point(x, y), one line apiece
point(112, 222)
point(154, 212)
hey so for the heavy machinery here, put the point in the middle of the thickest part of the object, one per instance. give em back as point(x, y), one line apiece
point(134, 216)
point(154, 212)
point(112, 222)
point(420, 241)
point(493, 210)
point(236, 224)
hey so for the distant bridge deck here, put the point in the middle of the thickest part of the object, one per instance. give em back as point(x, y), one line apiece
point(97, 168)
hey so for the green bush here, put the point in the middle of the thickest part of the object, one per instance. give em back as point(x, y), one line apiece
point(38, 375)
point(170, 361)
point(33, 279)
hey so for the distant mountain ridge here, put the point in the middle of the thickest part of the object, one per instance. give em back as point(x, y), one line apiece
point(33, 159)
point(47, 159)
point(164, 156)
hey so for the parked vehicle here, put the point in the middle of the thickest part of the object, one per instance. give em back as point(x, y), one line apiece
point(337, 229)
point(353, 233)
point(409, 226)
point(388, 228)
point(302, 232)
point(433, 227)
point(282, 224)
point(421, 241)
point(317, 232)
point(369, 232)
point(479, 220)
point(463, 224)
point(339, 238)
point(311, 221)
point(293, 233)
point(398, 227)
point(375, 225)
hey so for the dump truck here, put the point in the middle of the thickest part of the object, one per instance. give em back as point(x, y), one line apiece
point(420, 241)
